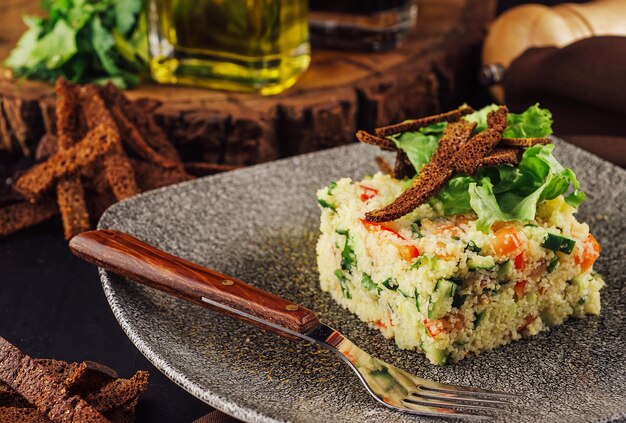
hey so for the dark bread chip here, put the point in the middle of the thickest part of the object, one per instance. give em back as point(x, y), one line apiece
point(403, 168)
point(133, 138)
point(415, 124)
point(72, 205)
point(431, 178)
point(76, 392)
point(384, 166)
point(23, 215)
point(384, 143)
point(22, 415)
point(454, 136)
point(70, 191)
point(70, 129)
point(500, 157)
point(152, 133)
point(523, 142)
point(151, 176)
point(40, 178)
point(40, 388)
point(120, 175)
point(412, 198)
point(471, 154)
point(47, 147)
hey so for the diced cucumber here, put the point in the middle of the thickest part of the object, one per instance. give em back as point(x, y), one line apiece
point(579, 281)
point(558, 243)
point(504, 270)
point(481, 262)
point(390, 283)
point(439, 307)
point(471, 246)
point(478, 319)
point(435, 355)
point(325, 204)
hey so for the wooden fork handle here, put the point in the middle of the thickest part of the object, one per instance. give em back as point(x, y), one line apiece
point(131, 258)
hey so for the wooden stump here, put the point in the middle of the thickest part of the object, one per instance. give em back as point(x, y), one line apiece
point(342, 91)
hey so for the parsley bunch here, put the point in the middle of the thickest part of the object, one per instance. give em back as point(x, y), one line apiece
point(95, 41)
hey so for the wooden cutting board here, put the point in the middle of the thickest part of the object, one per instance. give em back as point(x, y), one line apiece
point(341, 91)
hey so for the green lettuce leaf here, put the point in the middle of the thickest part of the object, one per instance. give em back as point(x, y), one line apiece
point(535, 122)
point(419, 146)
point(512, 194)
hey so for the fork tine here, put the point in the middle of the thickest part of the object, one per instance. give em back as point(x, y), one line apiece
point(425, 410)
point(454, 389)
point(436, 402)
point(436, 395)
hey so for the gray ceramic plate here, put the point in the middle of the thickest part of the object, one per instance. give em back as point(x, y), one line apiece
point(261, 224)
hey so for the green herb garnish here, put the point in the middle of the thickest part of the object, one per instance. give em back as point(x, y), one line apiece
point(84, 42)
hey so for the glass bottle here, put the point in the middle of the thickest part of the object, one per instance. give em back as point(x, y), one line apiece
point(370, 25)
point(237, 45)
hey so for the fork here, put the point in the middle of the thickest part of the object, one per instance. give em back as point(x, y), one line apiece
point(133, 259)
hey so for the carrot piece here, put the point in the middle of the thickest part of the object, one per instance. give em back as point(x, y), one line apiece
point(590, 253)
point(506, 241)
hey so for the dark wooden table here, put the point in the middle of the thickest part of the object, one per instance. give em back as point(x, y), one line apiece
point(52, 306)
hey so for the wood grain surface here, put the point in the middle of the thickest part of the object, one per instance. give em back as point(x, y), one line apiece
point(342, 91)
point(134, 259)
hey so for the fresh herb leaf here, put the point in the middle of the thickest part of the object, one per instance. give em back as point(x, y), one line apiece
point(535, 122)
point(326, 204)
point(96, 41)
point(390, 283)
point(348, 258)
point(471, 246)
point(331, 187)
point(369, 284)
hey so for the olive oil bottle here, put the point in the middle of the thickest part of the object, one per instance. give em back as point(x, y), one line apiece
point(237, 45)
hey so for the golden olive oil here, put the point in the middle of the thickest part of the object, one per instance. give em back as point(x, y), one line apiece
point(236, 45)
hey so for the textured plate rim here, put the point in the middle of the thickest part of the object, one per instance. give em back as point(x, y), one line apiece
point(224, 404)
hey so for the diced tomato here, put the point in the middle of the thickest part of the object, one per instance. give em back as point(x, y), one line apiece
point(520, 288)
point(434, 327)
point(506, 241)
point(527, 321)
point(590, 253)
point(379, 324)
point(452, 230)
point(374, 226)
point(520, 263)
point(406, 250)
point(368, 192)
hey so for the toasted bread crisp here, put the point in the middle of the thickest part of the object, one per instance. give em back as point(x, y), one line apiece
point(384, 143)
point(432, 176)
point(22, 215)
point(501, 156)
point(469, 157)
point(415, 124)
point(151, 176)
point(454, 153)
point(117, 167)
point(40, 178)
point(523, 142)
point(40, 390)
point(152, 133)
point(70, 191)
point(384, 166)
point(47, 147)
